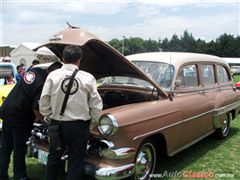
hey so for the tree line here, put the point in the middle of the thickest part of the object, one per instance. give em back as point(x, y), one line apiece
point(225, 45)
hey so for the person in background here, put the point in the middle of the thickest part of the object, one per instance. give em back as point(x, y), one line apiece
point(34, 63)
point(9, 79)
point(20, 72)
point(18, 111)
point(82, 109)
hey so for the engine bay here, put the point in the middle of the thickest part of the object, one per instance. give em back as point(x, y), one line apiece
point(114, 96)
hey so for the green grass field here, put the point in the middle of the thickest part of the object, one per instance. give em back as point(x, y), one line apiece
point(236, 78)
point(209, 156)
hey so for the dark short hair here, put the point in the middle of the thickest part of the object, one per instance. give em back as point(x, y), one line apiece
point(19, 66)
point(71, 54)
point(35, 61)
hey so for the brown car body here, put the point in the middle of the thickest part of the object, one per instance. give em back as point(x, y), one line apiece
point(140, 120)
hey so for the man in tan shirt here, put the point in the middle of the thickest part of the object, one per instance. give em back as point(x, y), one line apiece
point(83, 107)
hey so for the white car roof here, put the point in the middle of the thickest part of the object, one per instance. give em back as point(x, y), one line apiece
point(7, 64)
point(175, 58)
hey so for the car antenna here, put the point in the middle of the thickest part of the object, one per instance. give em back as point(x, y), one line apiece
point(69, 25)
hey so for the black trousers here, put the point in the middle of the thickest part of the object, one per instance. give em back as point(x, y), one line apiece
point(74, 135)
point(14, 139)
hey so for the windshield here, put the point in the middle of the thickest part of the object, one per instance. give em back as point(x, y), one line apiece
point(161, 73)
point(5, 70)
point(123, 80)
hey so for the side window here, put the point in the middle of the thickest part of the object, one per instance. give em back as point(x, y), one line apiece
point(222, 74)
point(188, 76)
point(208, 74)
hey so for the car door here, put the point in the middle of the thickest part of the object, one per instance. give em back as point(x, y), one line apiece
point(194, 104)
point(220, 92)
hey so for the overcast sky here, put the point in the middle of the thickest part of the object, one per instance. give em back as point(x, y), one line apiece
point(27, 21)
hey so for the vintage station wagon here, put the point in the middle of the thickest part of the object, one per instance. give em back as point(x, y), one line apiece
point(154, 104)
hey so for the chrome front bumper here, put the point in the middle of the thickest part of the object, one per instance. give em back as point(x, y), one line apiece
point(101, 173)
point(97, 147)
point(115, 172)
point(109, 173)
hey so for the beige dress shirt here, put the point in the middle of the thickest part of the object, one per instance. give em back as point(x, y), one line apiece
point(83, 104)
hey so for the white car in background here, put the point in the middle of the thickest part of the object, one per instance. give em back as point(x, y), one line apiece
point(235, 69)
point(6, 69)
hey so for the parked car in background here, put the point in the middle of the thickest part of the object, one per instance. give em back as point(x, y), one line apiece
point(235, 70)
point(154, 104)
point(7, 69)
point(234, 64)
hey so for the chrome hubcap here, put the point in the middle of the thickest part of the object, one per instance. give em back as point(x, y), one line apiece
point(145, 162)
point(225, 126)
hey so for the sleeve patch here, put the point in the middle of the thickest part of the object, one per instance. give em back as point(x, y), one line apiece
point(29, 77)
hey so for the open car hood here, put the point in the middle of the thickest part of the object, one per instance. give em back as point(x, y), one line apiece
point(99, 58)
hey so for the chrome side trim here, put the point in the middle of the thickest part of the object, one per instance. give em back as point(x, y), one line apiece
point(152, 132)
point(110, 173)
point(205, 89)
point(223, 110)
point(197, 116)
point(163, 114)
point(177, 123)
point(216, 113)
point(191, 143)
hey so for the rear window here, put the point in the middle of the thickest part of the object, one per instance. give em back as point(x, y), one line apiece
point(222, 74)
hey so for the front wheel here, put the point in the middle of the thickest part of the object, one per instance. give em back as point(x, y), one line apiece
point(223, 131)
point(145, 160)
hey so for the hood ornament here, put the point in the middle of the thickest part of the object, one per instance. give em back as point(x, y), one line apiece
point(56, 37)
point(69, 25)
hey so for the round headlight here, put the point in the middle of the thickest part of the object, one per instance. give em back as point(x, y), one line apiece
point(108, 125)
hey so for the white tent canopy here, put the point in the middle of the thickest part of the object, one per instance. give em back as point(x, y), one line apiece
point(232, 60)
point(24, 54)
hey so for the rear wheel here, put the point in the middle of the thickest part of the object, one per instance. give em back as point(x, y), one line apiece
point(145, 161)
point(223, 131)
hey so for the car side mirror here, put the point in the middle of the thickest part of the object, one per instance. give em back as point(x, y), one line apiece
point(178, 83)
